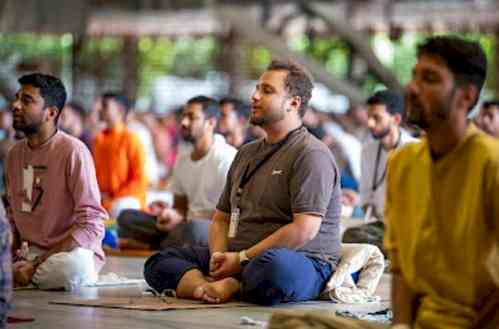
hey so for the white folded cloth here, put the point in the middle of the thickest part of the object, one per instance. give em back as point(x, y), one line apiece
point(355, 257)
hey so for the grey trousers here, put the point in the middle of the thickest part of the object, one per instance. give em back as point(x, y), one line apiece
point(141, 226)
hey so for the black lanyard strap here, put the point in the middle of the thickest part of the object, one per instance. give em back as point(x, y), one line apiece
point(378, 182)
point(248, 175)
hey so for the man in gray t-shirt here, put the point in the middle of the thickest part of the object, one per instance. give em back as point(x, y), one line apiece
point(300, 177)
point(274, 236)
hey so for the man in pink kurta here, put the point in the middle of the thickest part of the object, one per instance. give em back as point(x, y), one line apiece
point(52, 194)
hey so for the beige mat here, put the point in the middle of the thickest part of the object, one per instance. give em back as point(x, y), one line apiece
point(145, 303)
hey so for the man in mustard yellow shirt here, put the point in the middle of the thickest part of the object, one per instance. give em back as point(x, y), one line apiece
point(442, 207)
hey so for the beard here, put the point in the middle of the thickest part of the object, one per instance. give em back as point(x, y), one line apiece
point(431, 115)
point(416, 114)
point(268, 118)
point(383, 134)
point(27, 129)
point(187, 137)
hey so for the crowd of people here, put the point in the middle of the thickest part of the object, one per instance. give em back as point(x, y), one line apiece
point(258, 190)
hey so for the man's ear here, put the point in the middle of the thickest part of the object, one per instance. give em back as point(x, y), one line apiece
point(397, 118)
point(213, 122)
point(295, 103)
point(469, 94)
point(52, 112)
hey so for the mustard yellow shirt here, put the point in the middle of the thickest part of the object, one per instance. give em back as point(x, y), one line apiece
point(442, 220)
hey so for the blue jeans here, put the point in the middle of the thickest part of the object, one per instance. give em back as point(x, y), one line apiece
point(273, 277)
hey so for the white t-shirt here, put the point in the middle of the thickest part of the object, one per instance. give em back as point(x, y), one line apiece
point(349, 144)
point(373, 191)
point(203, 181)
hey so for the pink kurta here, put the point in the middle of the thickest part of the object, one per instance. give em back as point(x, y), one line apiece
point(53, 193)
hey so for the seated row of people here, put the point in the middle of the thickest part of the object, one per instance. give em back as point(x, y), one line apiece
point(277, 219)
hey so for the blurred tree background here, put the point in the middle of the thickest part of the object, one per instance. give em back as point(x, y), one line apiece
point(101, 57)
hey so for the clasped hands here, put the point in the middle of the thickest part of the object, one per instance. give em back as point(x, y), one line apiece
point(224, 264)
point(167, 218)
point(23, 269)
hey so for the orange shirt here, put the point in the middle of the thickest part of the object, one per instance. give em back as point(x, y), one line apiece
point(119, 163)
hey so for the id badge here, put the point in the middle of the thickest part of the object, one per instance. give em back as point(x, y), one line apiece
point(234, 222)
point(28, 178)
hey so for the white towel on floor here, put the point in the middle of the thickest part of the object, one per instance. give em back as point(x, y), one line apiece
point(365, 258)
point(113, 279)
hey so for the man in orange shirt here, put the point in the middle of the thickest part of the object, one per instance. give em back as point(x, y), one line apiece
point(119, 159)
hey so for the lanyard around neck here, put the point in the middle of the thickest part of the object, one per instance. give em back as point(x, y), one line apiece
point(249, 174)
point(377, 182)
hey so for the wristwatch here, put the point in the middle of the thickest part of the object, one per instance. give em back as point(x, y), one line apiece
point(243, 258)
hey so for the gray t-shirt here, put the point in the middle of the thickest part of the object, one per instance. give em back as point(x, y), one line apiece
point(301, 177)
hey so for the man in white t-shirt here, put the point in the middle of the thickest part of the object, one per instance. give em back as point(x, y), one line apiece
point(197, 181)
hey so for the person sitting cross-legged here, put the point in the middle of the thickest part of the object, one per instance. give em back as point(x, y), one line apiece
point(52, 196)
point(274, 237)
point(197, 181)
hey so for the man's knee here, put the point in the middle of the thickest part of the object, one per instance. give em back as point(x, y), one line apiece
point(67, 270)
point(159, 269)
point(127, 219)
point(267, 278)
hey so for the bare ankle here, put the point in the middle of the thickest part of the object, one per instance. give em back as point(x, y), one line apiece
point(189, 282)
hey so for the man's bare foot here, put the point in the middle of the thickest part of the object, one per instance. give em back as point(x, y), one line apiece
point(217, 292)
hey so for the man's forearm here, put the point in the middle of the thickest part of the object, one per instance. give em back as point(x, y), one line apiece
point(403, 301)
point(289, 236)
point(67, 244)
point(181, 205)
point(219, 228)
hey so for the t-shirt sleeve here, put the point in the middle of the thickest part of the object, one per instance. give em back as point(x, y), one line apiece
point(312, 182)
point(224, 200)
point(175, 185)
point(88, 228)
point(390, 241)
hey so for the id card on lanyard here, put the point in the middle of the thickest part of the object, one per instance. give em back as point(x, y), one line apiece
point(235, 215)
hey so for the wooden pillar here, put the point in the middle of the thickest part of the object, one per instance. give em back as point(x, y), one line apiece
point(233, 61)
point(76, 63)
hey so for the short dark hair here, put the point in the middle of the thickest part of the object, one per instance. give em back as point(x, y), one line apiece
point(242, 109)
point(51, 89)
point(119, 98)
point(392, 100)
point(210, 107)
point(465, 59)
point(298, 81)
point(491, 103)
